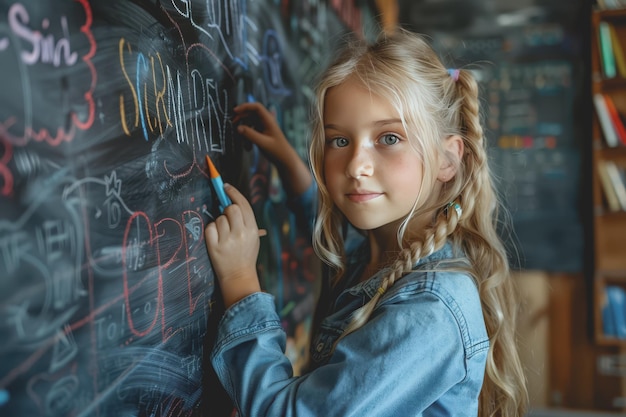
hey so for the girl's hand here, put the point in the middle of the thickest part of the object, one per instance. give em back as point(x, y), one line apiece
point(233, 246)
point(269, 137)
point(266, 134)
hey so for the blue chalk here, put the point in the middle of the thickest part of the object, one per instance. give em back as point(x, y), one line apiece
point(4, 397)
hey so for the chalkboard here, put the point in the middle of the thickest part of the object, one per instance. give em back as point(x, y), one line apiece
point(530, 64)
point(107, 110)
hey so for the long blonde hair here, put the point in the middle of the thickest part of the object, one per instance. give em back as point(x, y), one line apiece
point(433, 104)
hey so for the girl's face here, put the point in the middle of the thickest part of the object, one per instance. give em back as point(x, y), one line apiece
point(372, 172)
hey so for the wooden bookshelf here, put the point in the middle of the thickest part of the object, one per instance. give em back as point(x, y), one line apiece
point(609, 226)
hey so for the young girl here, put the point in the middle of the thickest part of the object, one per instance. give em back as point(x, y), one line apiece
point(419, 317)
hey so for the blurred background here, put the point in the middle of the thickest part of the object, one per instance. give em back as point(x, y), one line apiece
point(538, 66)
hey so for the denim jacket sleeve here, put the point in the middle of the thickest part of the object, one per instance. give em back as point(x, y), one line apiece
point(408, 356)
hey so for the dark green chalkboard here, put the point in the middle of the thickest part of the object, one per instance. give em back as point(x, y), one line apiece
point(107, 110)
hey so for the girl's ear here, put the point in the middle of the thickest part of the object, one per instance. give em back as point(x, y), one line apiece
point(454, 148)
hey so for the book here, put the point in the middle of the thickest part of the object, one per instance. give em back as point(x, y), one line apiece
point(610, 4)
point(617, 305)
point(608, 321)
point(616, 180)
point(618, 52)
point(607, 187)
point(606, 50)
point(610, 136)
point(616, 119)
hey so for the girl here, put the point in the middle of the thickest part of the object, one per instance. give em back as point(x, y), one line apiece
point(419, 318)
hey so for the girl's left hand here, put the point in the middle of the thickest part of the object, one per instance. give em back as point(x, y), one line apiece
point(233, 246)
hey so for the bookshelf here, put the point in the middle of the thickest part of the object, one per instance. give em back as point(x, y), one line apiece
point(608, 73)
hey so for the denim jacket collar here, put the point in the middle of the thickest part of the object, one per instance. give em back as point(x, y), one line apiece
point(370, 286)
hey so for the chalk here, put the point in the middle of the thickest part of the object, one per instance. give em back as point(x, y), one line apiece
point(218, 185)
point(224, 200)
point(4, 397)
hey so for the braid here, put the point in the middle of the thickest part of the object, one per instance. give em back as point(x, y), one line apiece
point(503, 392)
point(475, 155)
point(434, 240)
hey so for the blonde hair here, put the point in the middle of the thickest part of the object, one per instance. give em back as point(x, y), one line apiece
point(433, 105)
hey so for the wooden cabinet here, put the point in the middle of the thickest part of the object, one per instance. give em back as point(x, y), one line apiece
point(609, 223)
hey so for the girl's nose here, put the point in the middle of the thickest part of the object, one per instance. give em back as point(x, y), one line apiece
point(360, 164)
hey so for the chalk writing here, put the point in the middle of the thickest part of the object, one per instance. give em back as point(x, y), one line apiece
point(107, 292)
point(44, 48)
point(168, 109)
point(37, 49)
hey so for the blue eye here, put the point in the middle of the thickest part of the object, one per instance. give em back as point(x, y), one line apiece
point(389, 139)
point(338, 142)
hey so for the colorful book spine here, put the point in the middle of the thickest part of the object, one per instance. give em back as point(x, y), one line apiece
point(618, 184)
point(606, 50)
point(616, 297)
point(616, 119)
point(608, 321)
point(607, 187)
point(610, 136)
point(618, 53)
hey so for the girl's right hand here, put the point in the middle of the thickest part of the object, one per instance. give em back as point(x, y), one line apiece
point(269, 137)
point(232, 242)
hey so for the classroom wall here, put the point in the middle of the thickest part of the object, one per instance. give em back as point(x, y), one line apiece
point(108, 304)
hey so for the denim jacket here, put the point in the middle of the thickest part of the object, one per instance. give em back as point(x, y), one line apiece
point(421, 353)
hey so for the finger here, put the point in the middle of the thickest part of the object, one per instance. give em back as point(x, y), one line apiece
point(262, 232)
point(267, 117)
point(253, 106)
point(252, 135)
point(249, 220)
point(235, 195)
point(210, 235)
point(235, 217)
point(222, 226)
point(244, 110)
point(241, 113)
